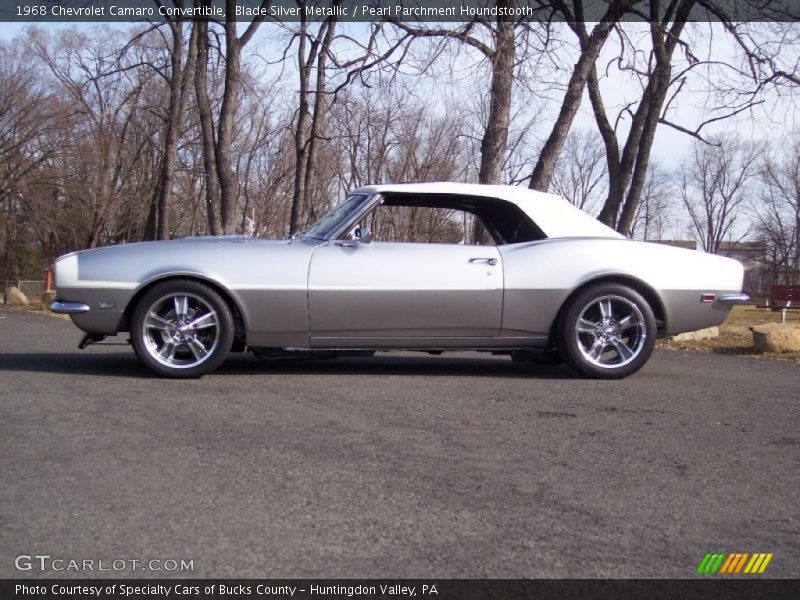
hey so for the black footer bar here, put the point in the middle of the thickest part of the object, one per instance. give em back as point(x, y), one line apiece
point(396, 589)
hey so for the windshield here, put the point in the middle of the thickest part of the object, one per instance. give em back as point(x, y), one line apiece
point(327, 224)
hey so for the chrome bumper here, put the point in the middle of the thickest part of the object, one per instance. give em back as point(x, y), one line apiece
point(69, 308)
point(734, 298)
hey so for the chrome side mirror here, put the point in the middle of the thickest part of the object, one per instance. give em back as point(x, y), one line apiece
point(363, 235)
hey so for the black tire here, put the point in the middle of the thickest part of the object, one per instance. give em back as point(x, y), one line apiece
point(607, 331)
point(182, 329)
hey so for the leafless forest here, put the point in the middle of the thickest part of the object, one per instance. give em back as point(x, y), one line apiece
point(114, 134)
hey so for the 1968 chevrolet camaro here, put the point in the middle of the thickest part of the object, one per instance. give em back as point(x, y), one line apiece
point(397, 267)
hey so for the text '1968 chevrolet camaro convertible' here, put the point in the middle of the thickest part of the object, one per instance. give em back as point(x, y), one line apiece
point(429, 267)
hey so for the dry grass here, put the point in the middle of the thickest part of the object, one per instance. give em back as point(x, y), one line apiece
point(735, 336)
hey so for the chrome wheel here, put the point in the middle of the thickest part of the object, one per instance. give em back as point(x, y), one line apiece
point(180, 330)
point(610, 331)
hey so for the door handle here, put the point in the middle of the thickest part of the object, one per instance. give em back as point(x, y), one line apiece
point(488, 261)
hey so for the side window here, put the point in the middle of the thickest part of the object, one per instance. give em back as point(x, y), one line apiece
point(424, 225)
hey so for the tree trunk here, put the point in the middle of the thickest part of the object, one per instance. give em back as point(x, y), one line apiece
point(590, 50)
point(150, 224)
point(300, 134)
point(11, 234)
point(645, 145)
point(227, 179)
point(632, 168)
point(178, 82)
point(170, 134)
point(223, 221)
point(616, 187)
point(207, 130)
point(318, 116)
point(495, 137)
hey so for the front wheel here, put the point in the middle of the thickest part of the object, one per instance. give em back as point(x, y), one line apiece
point(182, 329)
point(608, 331)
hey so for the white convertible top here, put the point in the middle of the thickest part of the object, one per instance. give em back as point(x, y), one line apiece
point(555, 216)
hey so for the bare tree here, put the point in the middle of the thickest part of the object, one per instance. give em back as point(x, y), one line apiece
point(590, 45)
point(222, 188)
point(178, 77)
point(654, 216)
point(501, 50)
point(227, 113)
point(628, 166)
point(312, 57)
point(580, 172)
point(86, 175)
point(104, 96)
point(733, 85)
point(27, 114)
point(361, 126)
point(206, 122)
point(715, 187)
point(29, 137)
point(778, 214)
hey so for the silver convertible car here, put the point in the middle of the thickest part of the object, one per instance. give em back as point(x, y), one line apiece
point(429, 267)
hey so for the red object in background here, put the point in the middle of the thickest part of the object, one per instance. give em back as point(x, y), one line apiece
point(48, 280)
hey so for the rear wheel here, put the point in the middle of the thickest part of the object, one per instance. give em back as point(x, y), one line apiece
point(182, 329)
point(608, 331)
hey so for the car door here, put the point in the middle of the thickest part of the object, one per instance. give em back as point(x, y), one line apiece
point(385, 294)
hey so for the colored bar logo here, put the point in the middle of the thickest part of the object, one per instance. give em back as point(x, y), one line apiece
point(731, 563)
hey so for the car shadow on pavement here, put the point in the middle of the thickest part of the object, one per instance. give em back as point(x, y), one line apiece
point(387, 364)
point(125, 364)
point(113, 365)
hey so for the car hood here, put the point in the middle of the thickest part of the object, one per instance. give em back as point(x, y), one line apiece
point(206, 240)
point(219, 258)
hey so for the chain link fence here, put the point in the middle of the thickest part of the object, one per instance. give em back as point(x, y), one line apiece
point(32, 288)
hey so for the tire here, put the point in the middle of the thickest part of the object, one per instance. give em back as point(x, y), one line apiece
point(184, 350)
point(608, 331)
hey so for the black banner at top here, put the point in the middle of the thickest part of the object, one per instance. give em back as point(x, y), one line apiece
point(286, 11)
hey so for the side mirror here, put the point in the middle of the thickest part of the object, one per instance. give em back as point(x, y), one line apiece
point(363, 235)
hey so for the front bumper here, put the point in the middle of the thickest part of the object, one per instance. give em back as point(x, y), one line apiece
point(69, 308)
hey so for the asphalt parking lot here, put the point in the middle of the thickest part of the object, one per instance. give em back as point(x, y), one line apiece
point(397, 466)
